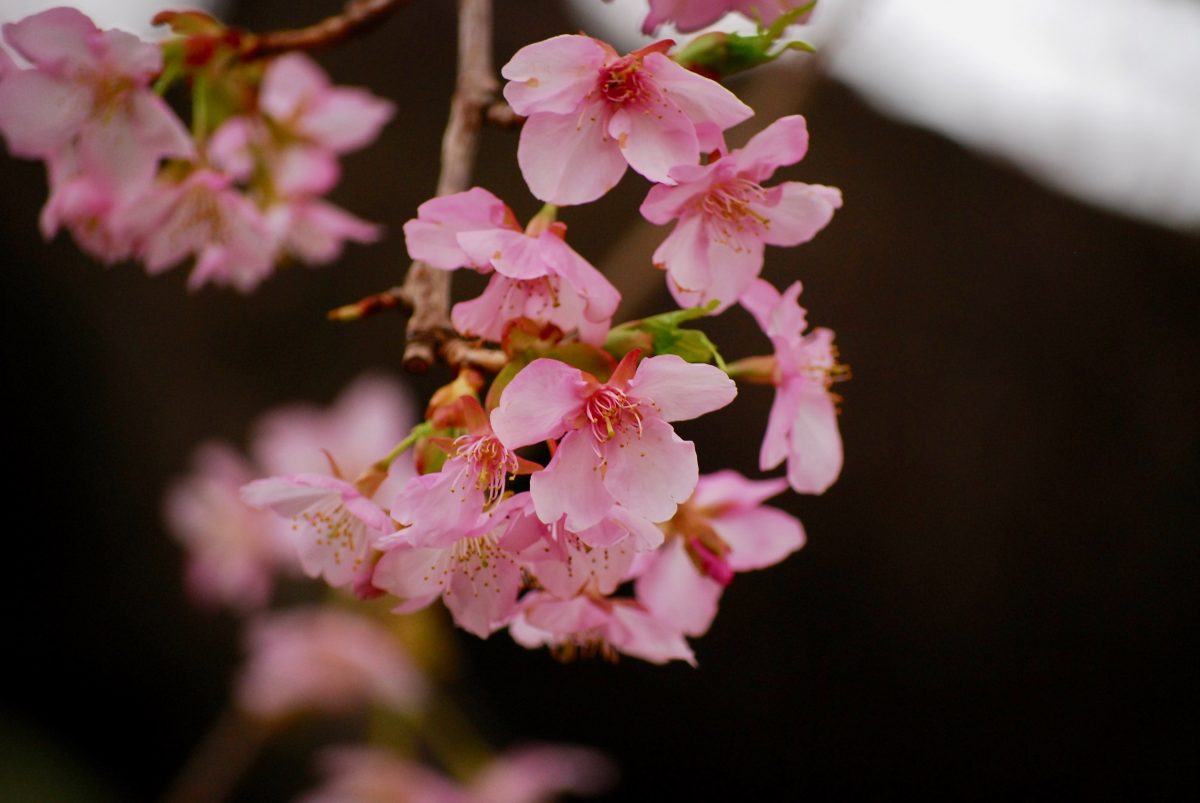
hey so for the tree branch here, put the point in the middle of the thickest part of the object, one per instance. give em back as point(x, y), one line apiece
point(357, 17)
point(428, 289)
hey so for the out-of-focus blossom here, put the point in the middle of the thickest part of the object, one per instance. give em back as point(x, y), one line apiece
point(617, 445)
point(726, 217)
point(591, 112)
point(537, 275)
point(692, 15)
point(802, 427)
point(530, 774)
point(322, 659)
point(724, 528)
point(234, 551)
point(87, 98)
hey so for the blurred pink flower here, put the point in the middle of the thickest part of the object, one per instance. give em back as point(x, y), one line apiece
point(322, 659)
point(692, 15)
point(591, 112)
point(529, 774)
point(726, 217)
point(802, 427)
point(234, 551)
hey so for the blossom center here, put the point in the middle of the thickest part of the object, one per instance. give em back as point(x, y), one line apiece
point(335, 527)
point(609, 411)
point(622, 81)
point(489, 461)
point(730, 210)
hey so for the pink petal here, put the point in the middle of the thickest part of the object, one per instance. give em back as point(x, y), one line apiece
point(433, 236)
point(288, 496)
point(511, 253)
point(783, 142)
point(640, 634)
point(681, 390)
point(345, 119)
point(299, 170)
point(727, 489)
point(650, 473)
point(676, 593)
point(684, 255)
point(815, 445)
point(775, 443)
point(664, 203)
point(571, 484)
point(128, 55)
point(760, 299)
point(41, 114)
point(537, 403)
point(620, 524)
point(54, 40)
point(656, 138)
point(569, 159)
point(554, 75)
point(317, 231)
point(600, 296)
point(482, 594)
point(798, 211)
point(291, 82)
point(537, 773)
point(758, 537)
point(417, 576)
point(7, 65)
point(439, 508)
point(732, 267)
point(701, 99)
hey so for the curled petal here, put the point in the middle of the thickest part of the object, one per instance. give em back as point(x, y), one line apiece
point(798, 211)
point(537, 402)
point(552, 76)
point(783, 142)
point(681, 390)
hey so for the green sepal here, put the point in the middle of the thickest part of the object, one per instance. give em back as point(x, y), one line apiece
point(717, 54)
point(666, 336)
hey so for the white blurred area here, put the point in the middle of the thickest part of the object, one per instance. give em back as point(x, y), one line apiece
point(130, 15)
point(1098, 98)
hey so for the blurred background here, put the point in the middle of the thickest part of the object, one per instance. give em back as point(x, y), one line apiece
point(996, 597)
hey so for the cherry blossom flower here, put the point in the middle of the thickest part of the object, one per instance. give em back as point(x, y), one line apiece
point(476, 575)
point(528, 774)
point(692, 15)
point(802, 427)
point(591, 112)
point(726, 216)
point(616, 446)
point(203, 216)
point(234, 551)
point(724, 528)
point(589, 625)
point(87, 98)
point(322, 659)
point(537, 275)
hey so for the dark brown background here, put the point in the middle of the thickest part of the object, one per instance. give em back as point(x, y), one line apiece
point(995, 599)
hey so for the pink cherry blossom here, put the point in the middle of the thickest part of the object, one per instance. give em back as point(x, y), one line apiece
point(587, 625)
point(726, 217)
point(722, 529)
point(477, 575)
point(592, 112)
point(206, 217)
point(537, 275)
point(528, 774)
point(616, 445)
point(234, 551)
point(89, 209)
point(692, 15)
point(802, 427)
point(322, 659)
point(87, 98)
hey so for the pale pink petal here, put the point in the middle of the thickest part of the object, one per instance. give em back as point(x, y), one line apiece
point(291, 82)
point(128, 55)
point(563, 617)
point(701, 99)
point(7, 65)
point(345, 119)
point(681, 390)
point(650, 473)
point(569, 158)
point(540, 773)
point(438, 508)
point(640, 634)
point(511, 253)
point(288, 496)
point(620, 524)
point(316, 231)
point(797, 212)
point(729, 490)
point(416, 576)
point(684, 254)
point(783, 142)
point(537, 402)
point(656, 138)
point(571, 484)
point(602, 568)
point(554, 75)
point(301, 170)
point(40, 114)
point(600, 296)
point(758, 537)
point(484, 317)
point(230, 147)
point(482, 593)
point(775, 443)
point(686, 15)
point(814, 445)
point(733, 265)
point(760, 299)
point(55, 40)
point(675, 591)
point(432, 236)
point(664, 203)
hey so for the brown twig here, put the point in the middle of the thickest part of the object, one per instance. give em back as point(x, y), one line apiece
point(429, 330)
point(358, 16)
point(388, 299)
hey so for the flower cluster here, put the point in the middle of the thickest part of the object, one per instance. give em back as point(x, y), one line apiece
point(239, 194)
